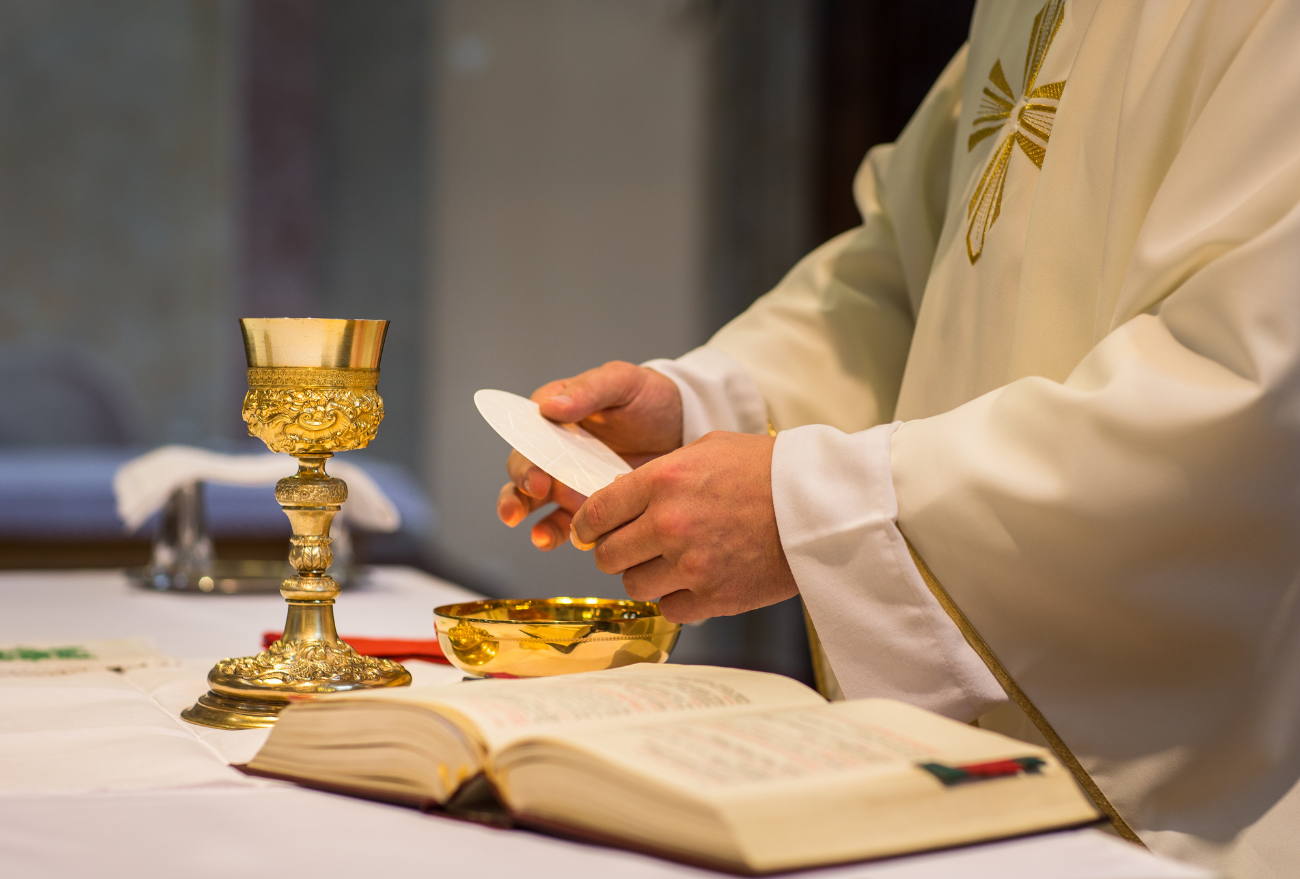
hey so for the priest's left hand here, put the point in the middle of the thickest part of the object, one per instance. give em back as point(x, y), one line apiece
point(695, 529)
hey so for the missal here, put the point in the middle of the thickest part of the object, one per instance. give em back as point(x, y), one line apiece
point(739, 770)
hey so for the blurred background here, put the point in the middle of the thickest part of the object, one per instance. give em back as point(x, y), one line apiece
point(524, 188)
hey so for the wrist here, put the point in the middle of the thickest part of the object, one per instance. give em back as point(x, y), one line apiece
point(715, 392)
point(665, 399)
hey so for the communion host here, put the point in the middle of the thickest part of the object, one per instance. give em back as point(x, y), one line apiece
point(1036, 452)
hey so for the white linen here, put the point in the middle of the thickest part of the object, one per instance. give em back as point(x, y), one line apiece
point(1100, 447)
point(97, 731)
point(394, 602)
point(98, 776)
point(205, 834)
point(175, 689)
point(143, 485)
point(105, 731)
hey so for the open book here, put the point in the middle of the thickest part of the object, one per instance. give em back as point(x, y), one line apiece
point(741, 770)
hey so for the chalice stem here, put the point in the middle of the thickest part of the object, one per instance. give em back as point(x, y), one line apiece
point(310, 595)
point(310, 621)
point(311, 499)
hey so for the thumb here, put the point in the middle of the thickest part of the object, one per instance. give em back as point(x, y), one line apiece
point(574, 399)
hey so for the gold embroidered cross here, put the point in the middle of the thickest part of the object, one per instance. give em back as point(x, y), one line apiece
point(1030, 127)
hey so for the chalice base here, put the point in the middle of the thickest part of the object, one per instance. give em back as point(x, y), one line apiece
point(250, 692)
point(222, 712)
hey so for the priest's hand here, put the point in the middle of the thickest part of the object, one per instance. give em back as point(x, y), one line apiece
point(635, 411)
point(695, 529)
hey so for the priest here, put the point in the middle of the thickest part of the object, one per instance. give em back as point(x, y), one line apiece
point(1027, 442)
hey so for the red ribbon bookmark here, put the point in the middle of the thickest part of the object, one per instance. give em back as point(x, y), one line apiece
point(950, 775)
point(396, 649)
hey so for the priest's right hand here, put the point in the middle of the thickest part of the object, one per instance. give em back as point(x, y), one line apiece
point(636, 411)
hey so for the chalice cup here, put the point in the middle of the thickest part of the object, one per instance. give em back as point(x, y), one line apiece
point(311, 393)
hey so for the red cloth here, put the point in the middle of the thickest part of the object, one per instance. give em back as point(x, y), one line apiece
point(396, 649)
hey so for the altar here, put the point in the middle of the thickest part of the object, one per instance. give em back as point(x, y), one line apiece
point(100, 776)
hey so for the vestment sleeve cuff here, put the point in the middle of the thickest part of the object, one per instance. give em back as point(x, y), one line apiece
point(883, 631)
point(717, 393)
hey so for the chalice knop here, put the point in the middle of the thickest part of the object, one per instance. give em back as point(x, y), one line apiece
point(311, 393)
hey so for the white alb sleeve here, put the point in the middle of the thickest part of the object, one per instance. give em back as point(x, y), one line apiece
point(717, 393)
point(883, 631)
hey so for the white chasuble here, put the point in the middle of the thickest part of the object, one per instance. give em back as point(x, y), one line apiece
point(1062, 356)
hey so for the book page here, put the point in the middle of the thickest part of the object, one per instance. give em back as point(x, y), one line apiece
point(503, 711)
point(769, 747)
point(765, 746)
point(773, 789)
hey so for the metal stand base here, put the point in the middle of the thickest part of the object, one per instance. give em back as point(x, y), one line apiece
point(222, 577)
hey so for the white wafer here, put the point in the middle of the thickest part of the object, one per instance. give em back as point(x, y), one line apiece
point(565, 451)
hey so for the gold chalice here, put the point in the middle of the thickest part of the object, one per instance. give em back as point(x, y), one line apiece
point(311, 393)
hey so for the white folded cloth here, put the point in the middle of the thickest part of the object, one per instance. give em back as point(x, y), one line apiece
point(143, 485)
point(101, 731)
point(44, 659)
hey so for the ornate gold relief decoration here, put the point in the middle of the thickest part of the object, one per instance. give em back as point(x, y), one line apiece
point(1027, 121)
point(301, 420)
point(289, 663)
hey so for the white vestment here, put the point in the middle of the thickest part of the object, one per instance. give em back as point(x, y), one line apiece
point(1077, 289)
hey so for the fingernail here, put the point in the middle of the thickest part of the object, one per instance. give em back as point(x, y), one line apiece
point(585, 547)
point(541, 540)
point(528, 485)
point(560, 400)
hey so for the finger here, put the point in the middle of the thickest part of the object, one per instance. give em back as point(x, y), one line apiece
point(616, 504)
point(648, 580)
point(568, 499)
point(530, 478)
point(625, 548)
point(605, 387)
point(551, 531)
point(683, 606)
point(513, 506)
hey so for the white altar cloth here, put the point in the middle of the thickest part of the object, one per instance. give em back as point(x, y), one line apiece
point(100, 777)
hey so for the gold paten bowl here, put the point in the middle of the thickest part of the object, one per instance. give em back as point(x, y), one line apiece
point(538, 637)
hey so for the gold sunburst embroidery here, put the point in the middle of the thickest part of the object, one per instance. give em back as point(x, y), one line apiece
point(1030, 120)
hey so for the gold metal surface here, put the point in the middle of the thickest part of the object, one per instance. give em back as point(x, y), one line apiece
point(310, 403)
point(311, 342)
point(539, 637)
